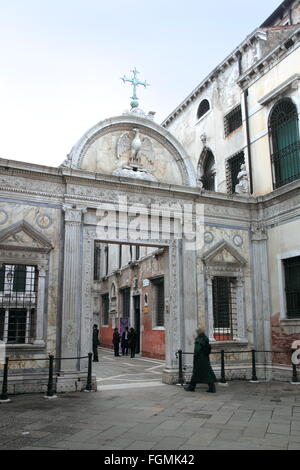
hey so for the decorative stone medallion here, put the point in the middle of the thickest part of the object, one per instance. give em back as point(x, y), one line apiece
point(43, 221)
point(238, 241)
point(208, 237)
point(3, 217)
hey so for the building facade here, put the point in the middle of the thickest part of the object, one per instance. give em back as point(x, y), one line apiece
point(165, 227)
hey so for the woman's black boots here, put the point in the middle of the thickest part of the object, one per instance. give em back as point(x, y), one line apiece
point(211, 388)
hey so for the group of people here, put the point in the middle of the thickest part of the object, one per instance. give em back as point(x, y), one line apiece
point(202, 370)
point(127, 339)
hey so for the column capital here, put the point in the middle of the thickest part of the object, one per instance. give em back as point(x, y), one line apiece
point(73, 213)
point(258, 231)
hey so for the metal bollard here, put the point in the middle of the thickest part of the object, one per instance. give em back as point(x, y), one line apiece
point(254, 377)
point(88, 387)
point(50, 388)
point(4, 396)
point(180, 372)
point(223, 378)
point(294, 366)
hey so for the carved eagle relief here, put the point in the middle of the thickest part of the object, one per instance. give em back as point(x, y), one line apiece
point(136, 147)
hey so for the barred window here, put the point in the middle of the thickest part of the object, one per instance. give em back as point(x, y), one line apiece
point(203, 108)
point(233, 120)
point(105, 309)
point(224, 308)
point(285, 141)
point(292, 286)
point(233, 167)
point(159, 301)
point(18, 300)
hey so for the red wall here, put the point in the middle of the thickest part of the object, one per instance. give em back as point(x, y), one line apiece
point(281, 341)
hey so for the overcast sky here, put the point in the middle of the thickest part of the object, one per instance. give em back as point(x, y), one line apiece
point(61, 62)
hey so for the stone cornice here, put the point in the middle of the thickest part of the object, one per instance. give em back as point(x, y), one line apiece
point(257, 35)
point(276, 54)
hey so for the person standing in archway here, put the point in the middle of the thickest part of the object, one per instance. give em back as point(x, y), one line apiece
point(116, 341)
point(132, 341)
point(96, 343)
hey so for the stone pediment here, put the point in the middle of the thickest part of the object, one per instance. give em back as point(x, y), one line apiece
point(22, 236)
point(223, 253)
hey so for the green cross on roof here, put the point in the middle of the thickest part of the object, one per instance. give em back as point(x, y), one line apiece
point(135, 82)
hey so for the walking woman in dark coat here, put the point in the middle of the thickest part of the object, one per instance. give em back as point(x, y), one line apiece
point(132, 341)
point(116, 340)
point(202, 371)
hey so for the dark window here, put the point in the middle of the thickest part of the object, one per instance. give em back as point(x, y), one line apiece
point(2, 278)
point(18, 297)
point(97, 254)
point(233, 167)
point(292, 286)
point(120, 256)
point(126, 302)
point(159, 301)
point(2, 319)
point(208, 177)
point(137, 252)
point(105, 309)
point(203, 108)
point(106, 260)
point(224, 308)
point(285, 140)
point(17, 326)
point(233, 120)
point(19, 278)
point(130, 253)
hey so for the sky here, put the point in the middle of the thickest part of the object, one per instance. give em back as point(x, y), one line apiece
point(61, 63)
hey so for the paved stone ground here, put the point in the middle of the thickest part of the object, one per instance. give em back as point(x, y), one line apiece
point(133, 410)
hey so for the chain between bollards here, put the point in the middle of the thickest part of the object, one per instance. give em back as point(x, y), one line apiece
point(4, 396)
point(89, 386)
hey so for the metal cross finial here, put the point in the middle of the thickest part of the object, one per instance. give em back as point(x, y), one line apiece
point(135, 82)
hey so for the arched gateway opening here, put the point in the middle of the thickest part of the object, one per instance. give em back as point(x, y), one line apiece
point(125, 243)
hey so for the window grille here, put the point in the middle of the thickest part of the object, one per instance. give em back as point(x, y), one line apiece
point(208, 177)
point(159, 301)
point(233, 167)
point(203, 108)
point(292, 286)
point(126, 302)
point(97, 254)
point(105, 309)
point(284, 133)
point(233, 120)
point(18, 299)
point(224, 308)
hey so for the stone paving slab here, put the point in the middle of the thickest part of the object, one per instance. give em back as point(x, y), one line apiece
point(240, 416)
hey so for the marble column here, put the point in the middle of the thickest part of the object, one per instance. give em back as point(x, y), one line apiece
point(261, 287)
point(72, 287)
point(210, 308)
point(40, 309)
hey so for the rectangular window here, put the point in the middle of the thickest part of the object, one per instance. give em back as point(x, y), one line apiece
point(126, 302)
point(2, 278)
point(120, 256)
point(224, 308)
point(159, 301)
point(292, 286)
point(137, 252)
point(2, 320)
point(18, 297)
point(233, 120)
point(105, 309)
point(233, 167)
point(106, 260)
